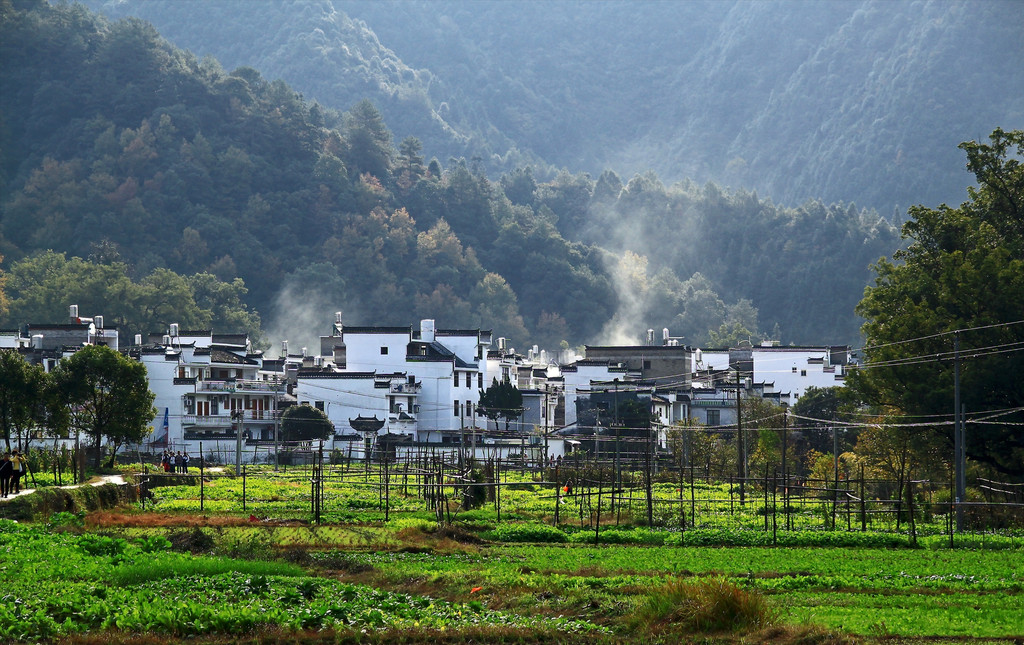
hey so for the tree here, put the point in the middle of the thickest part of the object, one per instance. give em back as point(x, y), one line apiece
point(961, 277)
point(3, 294)
point(369, 141)
point(223, 301)
point(501, 401)
point(820, 407)
point(410, 161)
point(21, 389)
point(107, 395)
point(498, 306)
point(305, 423)
point(899, 451)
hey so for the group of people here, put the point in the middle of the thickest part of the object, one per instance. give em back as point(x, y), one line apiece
point(12, 467)
point(174, 462)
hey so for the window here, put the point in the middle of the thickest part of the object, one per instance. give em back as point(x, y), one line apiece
point(647, 365)
point(457, 408)
point(803, 372)
point(319, 405)
point(455, 379)
point(714, 417)
point(480, 380)
point(384, 351)
point(469, 408)
point(469, 380)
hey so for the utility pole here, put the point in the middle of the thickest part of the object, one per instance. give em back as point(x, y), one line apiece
point(237, 416)
point(835, 452)
point(277, 424)
point(785, 439)
point(547, 416)
point(618, 438)
point(958, 437)
point(741, 452)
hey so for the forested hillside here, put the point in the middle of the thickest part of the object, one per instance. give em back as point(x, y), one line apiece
point(238, 195)
point(858, 101)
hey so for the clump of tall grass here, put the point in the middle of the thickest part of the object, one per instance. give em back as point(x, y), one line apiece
point(706, 606)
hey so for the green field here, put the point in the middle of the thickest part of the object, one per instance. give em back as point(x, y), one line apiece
point(267, 572)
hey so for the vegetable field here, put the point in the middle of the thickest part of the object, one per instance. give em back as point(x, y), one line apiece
point(365, 554)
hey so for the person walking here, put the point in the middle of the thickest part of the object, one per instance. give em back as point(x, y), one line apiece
point(6, 472)
point(19, 467)
point(177, 462)
point(184, 462)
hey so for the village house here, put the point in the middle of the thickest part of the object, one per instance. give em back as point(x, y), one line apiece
point(416, 385)
point(209, 389)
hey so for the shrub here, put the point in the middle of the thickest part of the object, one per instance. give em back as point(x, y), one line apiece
point(193, 540)
point(710, 605)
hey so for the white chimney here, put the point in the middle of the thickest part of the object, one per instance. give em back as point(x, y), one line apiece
point(138, 339)
point(167, 340)
point(284, 349)
point(174, 330)
point(650, 336)
point(427, 330)
point(664, 335)
point(303, 352)
point(98, 321)
point(73, 313)
point(501, 343)
point(37, 341)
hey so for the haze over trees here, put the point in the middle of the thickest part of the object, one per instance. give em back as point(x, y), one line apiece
point(152, 166)
point(860, 100)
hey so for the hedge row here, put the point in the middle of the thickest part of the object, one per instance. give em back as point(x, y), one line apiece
point(44, 502)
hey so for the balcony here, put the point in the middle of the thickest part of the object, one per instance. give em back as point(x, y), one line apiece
point(259, 386)
point(215, 386)
point(224, 420)
point(262, 415)
point(207, 435)
point(713, 403)
point(206, 421)
point(268, 387)
point(405, 388)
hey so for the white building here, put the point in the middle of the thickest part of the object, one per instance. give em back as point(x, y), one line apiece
point(422, 384)
point(208, 389)
point(786, 370)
